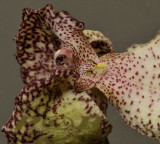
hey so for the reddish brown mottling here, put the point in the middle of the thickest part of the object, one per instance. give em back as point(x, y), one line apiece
point(59, 59)
point(127, 111)
point(34, 119)
point(36, 45)
point(55, 52)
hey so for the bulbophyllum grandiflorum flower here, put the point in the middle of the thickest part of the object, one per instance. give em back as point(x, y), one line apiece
point(62, 62)
point(49, 109)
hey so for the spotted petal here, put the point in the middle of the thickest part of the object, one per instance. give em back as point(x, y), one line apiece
point(70, 32)
point(36, 45)
point(54, 113)
point(132, 85)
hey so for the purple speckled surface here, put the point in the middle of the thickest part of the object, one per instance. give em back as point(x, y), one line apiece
point(125, 22)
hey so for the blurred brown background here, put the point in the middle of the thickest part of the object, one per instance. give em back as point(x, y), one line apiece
point(125, 22)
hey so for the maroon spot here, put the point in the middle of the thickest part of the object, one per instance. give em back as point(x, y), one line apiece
point(123, 81)
point(136, 116)
point(119, 87)
point(150, 121)
point(131, 103)
point(89, 110)
point(136, 73)
point(81, 98)
point(123, 92)
point(127, 111)
point(117, 92)
point(137, 126)
point(56, 124)
point(150, 105)
point(138, 110)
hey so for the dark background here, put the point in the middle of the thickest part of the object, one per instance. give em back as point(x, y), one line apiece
point(125, 22)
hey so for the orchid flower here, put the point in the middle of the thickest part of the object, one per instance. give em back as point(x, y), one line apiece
point(49, 109)
point(64, 68)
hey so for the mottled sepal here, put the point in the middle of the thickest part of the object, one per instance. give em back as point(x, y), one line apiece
point(36, 45)
point(132, 85)
point(55, 113)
